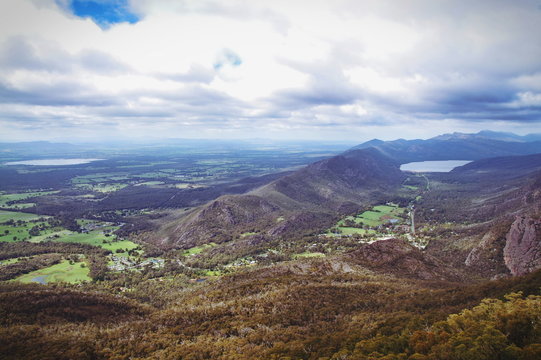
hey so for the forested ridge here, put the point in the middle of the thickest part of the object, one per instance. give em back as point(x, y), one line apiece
point(287, 311)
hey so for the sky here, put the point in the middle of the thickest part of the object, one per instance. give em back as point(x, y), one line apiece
point(341, 70)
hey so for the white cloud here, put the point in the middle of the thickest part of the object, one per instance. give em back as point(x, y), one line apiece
point(258, 68)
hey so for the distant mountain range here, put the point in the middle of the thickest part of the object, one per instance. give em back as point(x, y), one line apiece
point(314, 197)
point(457, 146)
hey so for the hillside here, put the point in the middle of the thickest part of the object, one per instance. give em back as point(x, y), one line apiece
point(491, 208)
point(315, 194)
point(457, 146)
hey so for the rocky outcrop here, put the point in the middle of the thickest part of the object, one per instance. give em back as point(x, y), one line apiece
point(486, 259)
point(522, 252)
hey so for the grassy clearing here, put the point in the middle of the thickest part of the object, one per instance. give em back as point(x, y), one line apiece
point(61, 272)
point(150, 183)
point(212, 273)
point(151, 175)
point(16, 216)
point(243, 235)
point(344, 230)
point(9, 261)
point(368, 220)
point(308, 254)
point(99, 178)
point(197, 249)
point(189, 186)
point(94, 238)
point(371, 218)
point(21, 206)
point(122, 244)
point(6, 198)
point(49, 234)
point(103, 188)
point(97, 238)
point(11, 233)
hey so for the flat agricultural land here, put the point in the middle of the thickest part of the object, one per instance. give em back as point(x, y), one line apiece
point(197, 249)
point(352, 230)
point(6, 198)
point(16, 216)
point(97, 238)
point(366, 222)
point(21, 231)
point(63, 271)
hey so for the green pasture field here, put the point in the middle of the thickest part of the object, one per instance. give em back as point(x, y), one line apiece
point(103, 188)
point(49, 234)
point(189, 186)
point(97, 238)
point(16, 216)
point(379, 215)
point(197, 249)
point(9, 261)
point(99, 178)
point(61, 272)
point(150, 183)
point(352, 231)
point(212, 273)
point(247, 234)
point(122, 244)
point(152, 175)
point(215, 162)
point(5, 198)
point(22, 232)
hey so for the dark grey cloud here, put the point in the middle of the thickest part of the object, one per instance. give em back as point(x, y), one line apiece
point(327, 85)
point(60, 93)
point(101, 63)
point(20, 53)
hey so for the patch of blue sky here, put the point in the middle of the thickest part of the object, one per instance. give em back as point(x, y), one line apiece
point(227, 57)
point(104, 13)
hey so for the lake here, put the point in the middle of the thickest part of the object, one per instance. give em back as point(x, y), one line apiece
point(52, 162)
point(433, 166)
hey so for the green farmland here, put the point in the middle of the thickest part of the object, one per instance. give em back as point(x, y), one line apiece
point(16, 216)
point(61, 272)
point(5, 199)
point(367, 222)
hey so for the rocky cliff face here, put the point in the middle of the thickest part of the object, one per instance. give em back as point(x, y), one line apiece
point(486, 259)
point(522, 251)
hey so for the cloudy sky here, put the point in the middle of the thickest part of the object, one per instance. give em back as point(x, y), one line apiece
point(281, 69)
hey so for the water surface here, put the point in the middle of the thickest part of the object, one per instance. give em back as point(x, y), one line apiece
point(40, 279)
point(52, 162)
point(433, 166)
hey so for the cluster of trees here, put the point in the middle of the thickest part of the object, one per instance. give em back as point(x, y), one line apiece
point(96, 256)
point(29, 264)
point(287, 311)
point(10, 250)
point(495, 329)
